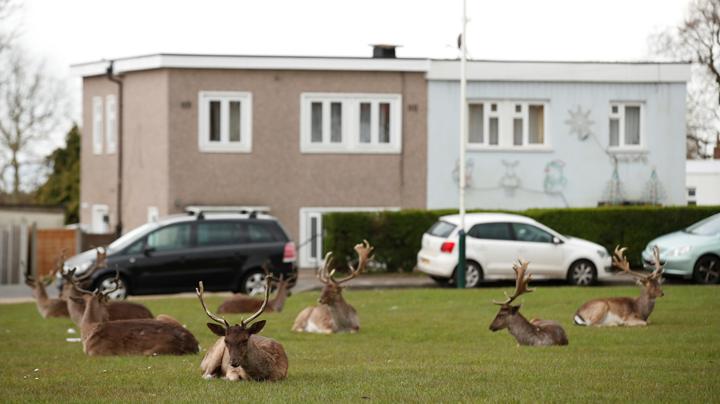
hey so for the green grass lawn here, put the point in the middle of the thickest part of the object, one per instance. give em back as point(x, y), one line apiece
point(422, 345)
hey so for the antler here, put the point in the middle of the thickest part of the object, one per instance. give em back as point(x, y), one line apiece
point(74, 282)
point(324, 273)
point(364, 251)
point(100, 262)
point(200, 290)
point(247, 321)
point(521, 282)
point(619, 261)
point(657, 273)
point(116, 280)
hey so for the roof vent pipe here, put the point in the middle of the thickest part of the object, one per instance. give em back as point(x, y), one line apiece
point(384, 51)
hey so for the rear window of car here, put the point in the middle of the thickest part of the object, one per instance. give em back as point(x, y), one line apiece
point(491, 231)
point(441, 229)
point(211, 233)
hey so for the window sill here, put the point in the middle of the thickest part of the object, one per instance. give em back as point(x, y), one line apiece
point(205, 148)
point(340, 150)
point(505, 149)
point(627, 150)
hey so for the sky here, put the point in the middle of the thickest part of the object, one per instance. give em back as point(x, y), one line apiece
point(65, 32)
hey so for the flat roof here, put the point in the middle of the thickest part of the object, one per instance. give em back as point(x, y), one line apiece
point(434, 69)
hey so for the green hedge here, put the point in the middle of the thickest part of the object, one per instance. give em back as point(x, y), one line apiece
point(397, 235)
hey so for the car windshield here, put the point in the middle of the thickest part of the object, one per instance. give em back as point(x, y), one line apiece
point(441, 229)
point(131, 236)
point(707, 227)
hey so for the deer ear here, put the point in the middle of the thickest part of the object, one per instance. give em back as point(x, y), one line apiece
point(256, 327)
point(217, 329)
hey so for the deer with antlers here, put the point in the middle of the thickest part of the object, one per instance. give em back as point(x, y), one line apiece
point(535, 332)
point(240, 353)
point(333, 314)
point(246, 304)
point(615, 311)
point(129, 337)
point(48, 307)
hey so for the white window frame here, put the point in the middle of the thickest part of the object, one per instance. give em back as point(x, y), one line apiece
point(110, 124)
point(350, 123)
point(97, 127)
point(506, 114)
point(620, 115)
point(225, 145)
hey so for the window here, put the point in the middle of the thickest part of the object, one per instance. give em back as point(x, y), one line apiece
point(350, 123)
point(441, 229)
point(225, 122)
point(219, 233)
point(491, 231)
point(691, 191)
point(257, 233)
point(170, 238)
point(111, 124)
point(527, 232)
point(506, 124)
point(97, 127)
point(625, 126)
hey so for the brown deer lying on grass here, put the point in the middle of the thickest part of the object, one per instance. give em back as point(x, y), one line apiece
point(246, 304)
point(627, 311)
point(239, 353)
point(534, 332)
point(333, 314)
point(129, 337)
point(48, 307)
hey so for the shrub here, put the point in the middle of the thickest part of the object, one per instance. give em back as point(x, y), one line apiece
point(397, 235)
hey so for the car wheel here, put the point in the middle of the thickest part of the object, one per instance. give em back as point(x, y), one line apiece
point(582, 273)
point(253, 283)
point(473, 275)
point(107, 282)
point(707, 270)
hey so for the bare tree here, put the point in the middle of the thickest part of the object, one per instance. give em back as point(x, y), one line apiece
point(697, 40)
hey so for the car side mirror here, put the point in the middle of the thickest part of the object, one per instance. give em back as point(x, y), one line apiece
point(556, 240)
point(148, 250)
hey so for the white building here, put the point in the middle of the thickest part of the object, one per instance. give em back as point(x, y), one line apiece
point(703, 182)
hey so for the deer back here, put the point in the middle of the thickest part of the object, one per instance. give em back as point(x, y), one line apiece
point(140, 337)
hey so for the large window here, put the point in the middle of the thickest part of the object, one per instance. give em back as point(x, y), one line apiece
point(225, 121)
point(350, 123)
point(626, 125)
point(491, 231)
point(528, 232)
point(507, 124)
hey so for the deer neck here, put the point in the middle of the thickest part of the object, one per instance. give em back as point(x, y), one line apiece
point(521, 329)
point(40, 293)
point(278, 301)
point(644, 304)
point(95, 313)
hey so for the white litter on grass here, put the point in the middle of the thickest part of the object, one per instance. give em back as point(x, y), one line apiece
point(35, 370)
point(149, 367)
point(394, 308)
point(71, 331)
point(73, 339)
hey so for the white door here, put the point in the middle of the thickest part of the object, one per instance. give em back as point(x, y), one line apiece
point(493, 246)
point(100, 219)
point(536, 246)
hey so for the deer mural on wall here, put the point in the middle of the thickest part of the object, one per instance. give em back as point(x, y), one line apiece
point(46, 306)
point(333, 314)
point(240, 353)
point(100, 336)
point(245, 304)
point(627, 311)
point(534, 332)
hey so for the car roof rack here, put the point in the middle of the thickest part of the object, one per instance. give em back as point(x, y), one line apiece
point(251, 211)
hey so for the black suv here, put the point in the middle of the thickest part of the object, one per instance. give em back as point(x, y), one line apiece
point(224, 250)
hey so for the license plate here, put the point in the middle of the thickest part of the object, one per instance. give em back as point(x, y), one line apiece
point(424, 260)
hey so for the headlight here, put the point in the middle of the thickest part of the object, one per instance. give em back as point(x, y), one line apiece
point(602, 253)
point(676, 252)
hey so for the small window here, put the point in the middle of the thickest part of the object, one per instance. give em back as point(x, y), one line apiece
point(691, 191)
point(258, 233)
point(111, 124)
point(625, 125)
point(225, 121)
point(527, 232)
point(170, 238)
point(97, 128)
point(441, 229)
point(220, 233)
point(491, 231)
point(136, 248)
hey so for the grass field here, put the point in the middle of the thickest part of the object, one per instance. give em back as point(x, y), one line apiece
point(422, 345)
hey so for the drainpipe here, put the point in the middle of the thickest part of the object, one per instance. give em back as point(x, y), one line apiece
point(115, 79)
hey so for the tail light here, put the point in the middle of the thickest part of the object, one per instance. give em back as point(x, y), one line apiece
point(447, 247)
point(289, 252)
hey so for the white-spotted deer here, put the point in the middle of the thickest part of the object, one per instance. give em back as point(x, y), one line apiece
point(240, 353)
point(535, 332)
point(333, 314)
point(129, 337)
point(48, 307)
point(245, 304)
point(627, 311)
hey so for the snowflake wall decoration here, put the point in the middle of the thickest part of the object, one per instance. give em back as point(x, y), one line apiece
point(580, 123)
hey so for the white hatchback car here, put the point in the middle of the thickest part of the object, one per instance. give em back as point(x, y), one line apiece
point(495, 240)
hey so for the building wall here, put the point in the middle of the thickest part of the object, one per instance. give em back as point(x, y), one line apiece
point(43, 220)
point(276, 173)
point(587, 167)
point(145, 150)
point(704, 176)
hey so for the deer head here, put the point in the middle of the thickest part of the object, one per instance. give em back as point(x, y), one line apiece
point(236, 336)
point(652, 283)
point(521, 287)
point(332, 292)
point(95, 301)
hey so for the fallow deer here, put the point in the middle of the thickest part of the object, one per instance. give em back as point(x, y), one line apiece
point(240, 353)
point(129, 337)
point(246, 304)
point(333, 314)
point(48, 307)
point(615, 311)
point(535, 332)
